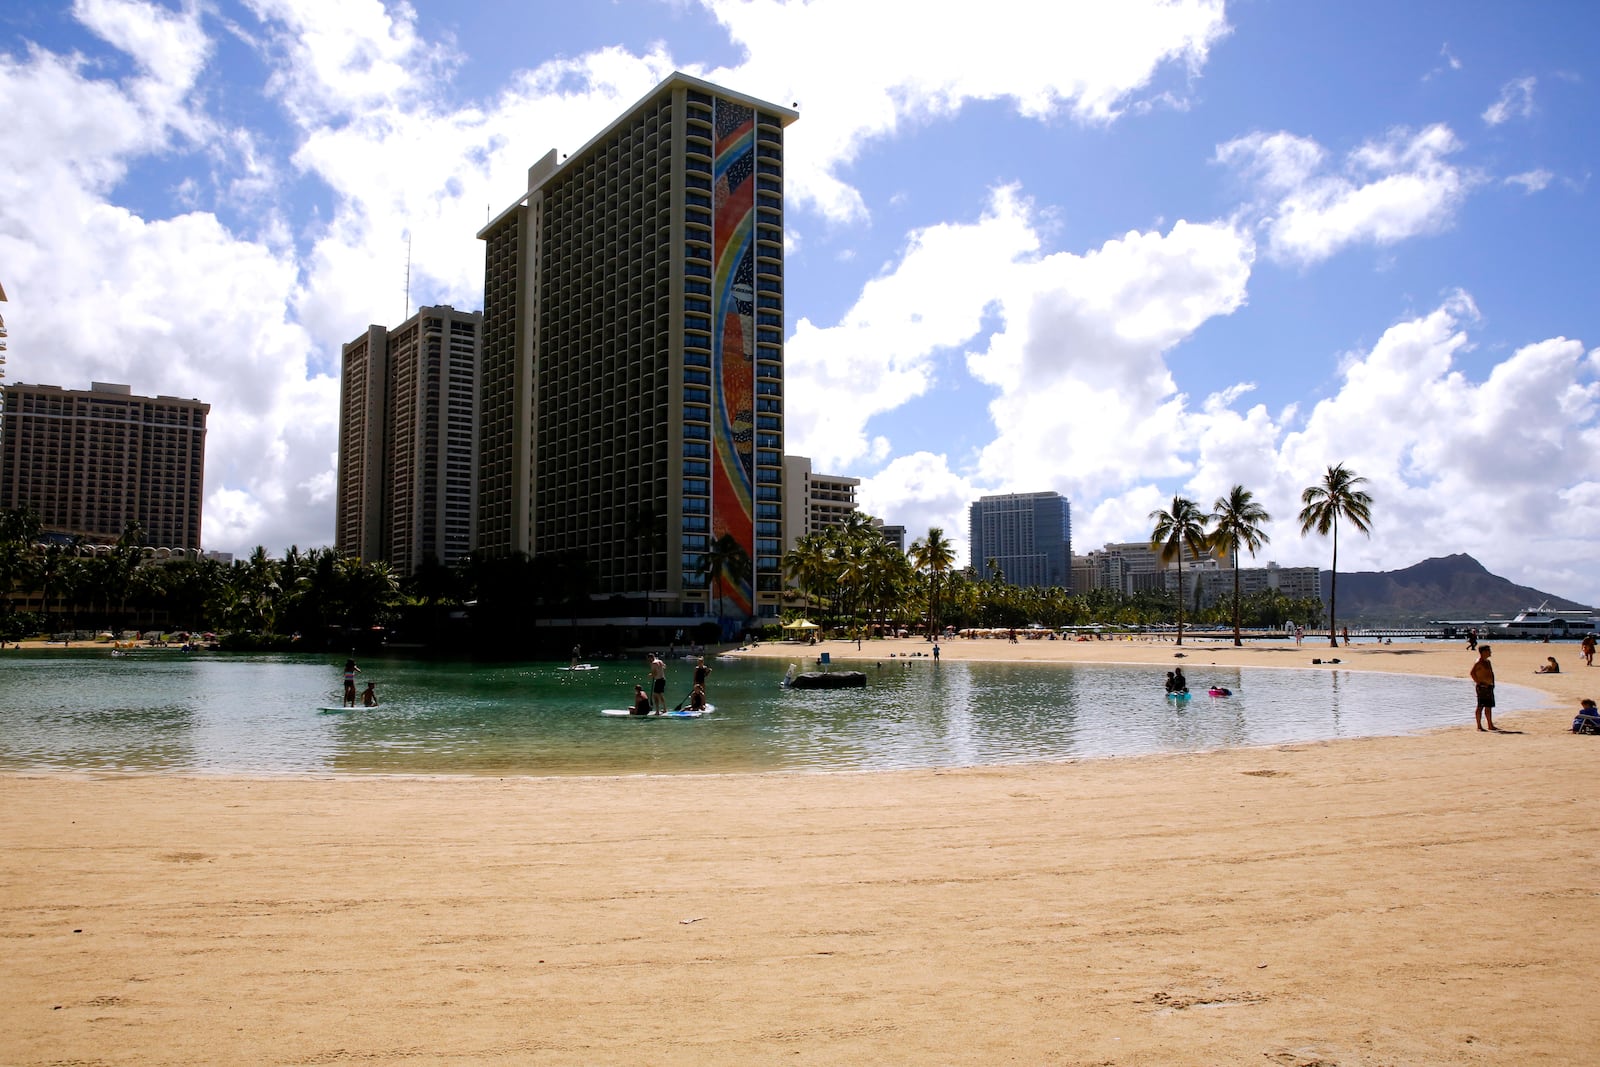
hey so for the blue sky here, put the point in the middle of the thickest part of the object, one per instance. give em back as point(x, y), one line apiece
point(1117, 250)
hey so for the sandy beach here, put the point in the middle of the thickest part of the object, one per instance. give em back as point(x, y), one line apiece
point(1426, 899)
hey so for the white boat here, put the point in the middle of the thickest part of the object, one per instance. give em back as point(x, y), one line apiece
point(1544, 621)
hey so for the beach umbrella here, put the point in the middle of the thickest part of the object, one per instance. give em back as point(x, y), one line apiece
point(800, 624)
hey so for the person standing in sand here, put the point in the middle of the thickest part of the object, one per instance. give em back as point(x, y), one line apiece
point(1482, 675)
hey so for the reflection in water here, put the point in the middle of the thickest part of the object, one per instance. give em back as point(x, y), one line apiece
point(259, 714)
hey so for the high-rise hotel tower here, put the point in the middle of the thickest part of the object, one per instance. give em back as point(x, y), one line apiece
point(1028, 535)
point(631, 407)
point(90, 461)
point(408, 441)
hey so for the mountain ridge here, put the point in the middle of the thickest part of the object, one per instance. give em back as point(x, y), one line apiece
point(1454, 587)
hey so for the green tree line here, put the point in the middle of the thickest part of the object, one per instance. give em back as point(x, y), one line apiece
point(847, 577)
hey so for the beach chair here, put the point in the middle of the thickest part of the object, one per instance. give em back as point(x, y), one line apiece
point(1586, 724)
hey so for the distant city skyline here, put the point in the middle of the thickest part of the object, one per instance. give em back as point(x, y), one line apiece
point(1118, 251)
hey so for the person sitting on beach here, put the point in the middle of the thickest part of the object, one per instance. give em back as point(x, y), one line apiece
point(369, 695)
point(1550, 666)
point(641, 701)
point(697, 698)
point(1587, 721)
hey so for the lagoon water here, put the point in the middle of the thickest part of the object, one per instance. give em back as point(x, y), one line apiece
point(171, 712)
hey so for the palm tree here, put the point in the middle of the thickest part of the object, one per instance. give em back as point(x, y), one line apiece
point(934, 555)
point(887, 569)
point(1182, 527)
point(1336, 495)
point(726, 556)
point(807, 564)
point(19, 534)
point(1236, 523)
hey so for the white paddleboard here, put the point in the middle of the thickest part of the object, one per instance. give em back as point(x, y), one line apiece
point(686, 713)
point(580, 667)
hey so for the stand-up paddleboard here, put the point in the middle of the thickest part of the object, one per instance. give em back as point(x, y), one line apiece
point(681, 713)
point(579, 667)
point(333, 709)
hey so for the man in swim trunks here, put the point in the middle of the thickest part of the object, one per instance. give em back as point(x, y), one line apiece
point(1482, 675)
point(658, 684)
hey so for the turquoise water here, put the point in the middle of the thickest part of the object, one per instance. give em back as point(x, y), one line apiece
point(170, 712)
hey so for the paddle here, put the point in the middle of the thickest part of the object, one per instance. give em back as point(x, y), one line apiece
point(684, 701)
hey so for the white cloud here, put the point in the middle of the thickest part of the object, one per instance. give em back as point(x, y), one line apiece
point(1485, 462)
point(1081, 361)
point(1083, 402)
point(1390, 189)
point(1515, 102)
point(889, 67)
point(169, 47)
point(920, 491)
point(1533, 181)
point(885, 350)
point(1451, 63)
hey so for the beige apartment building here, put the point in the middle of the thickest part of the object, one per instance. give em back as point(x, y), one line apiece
point(408, 441)
point(632, 384)
point(89, 461)
point(812, 502)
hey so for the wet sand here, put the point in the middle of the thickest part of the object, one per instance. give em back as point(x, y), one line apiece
point(1428, 899)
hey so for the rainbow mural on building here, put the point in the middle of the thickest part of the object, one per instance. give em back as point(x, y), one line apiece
point(733, 346)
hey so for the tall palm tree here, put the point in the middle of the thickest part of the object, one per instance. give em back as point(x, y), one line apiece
point(1182, 527)
point(727, 556)
point(19, 536)
point(807, 564)
point(934, 555)
point(887, 570)
point(1335, 496)
point(1236, 521)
